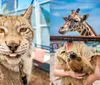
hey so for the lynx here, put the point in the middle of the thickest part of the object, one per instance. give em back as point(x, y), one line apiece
point(16, 36)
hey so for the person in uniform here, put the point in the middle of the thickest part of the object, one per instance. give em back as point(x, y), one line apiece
point(80, 48)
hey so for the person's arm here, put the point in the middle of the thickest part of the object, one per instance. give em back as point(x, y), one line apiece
point(59, 70)
point(96, 76)
point(61, 73)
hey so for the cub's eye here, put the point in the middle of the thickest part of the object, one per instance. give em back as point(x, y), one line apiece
point(23, 29)
point(2, 30)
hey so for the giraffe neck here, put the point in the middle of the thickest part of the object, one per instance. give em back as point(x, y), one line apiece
point(85, 30)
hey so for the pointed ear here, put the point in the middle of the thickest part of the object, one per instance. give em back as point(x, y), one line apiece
point(85, 17)
point(72, 11)
point(28, 13)
point(61, 60)
point(77, 11)
point(65, 18)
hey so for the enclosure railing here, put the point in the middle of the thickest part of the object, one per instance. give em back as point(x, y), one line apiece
point(75, 38)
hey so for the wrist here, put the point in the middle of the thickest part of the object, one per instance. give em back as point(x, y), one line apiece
point(67, 73)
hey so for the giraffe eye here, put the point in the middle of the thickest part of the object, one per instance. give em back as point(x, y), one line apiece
point(76, 21)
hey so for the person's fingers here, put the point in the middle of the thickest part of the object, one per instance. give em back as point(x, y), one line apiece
point(79, 77)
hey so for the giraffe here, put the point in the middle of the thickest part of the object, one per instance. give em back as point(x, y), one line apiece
point(75, 22)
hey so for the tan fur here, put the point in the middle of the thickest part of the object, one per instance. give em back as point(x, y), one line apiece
point(12, 33)
point(82, 66)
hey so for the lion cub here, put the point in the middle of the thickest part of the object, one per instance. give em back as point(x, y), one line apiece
point(77, 64)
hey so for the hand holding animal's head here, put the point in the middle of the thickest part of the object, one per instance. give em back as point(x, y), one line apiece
point(72, 21)
point(16, 34)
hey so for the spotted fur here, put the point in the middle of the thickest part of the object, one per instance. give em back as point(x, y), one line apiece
point(75, 22)
point(16, 36)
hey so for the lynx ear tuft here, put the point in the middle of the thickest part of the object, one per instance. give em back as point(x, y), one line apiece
point(28, 13)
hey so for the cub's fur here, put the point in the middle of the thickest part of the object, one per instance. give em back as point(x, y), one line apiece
point(16, 36)
point(77, 64)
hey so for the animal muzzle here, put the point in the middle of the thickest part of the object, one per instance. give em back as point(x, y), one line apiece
point(62, 30)
point(13, 46)
point(73, 55)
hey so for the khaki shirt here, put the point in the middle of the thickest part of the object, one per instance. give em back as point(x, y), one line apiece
point(77, 47)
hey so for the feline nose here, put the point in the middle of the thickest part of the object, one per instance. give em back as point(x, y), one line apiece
point(13, 46)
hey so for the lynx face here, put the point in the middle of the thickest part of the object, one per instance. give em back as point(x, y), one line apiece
point(16, 35)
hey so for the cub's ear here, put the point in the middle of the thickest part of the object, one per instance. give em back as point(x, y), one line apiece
point(61, 60)
point(28, 13)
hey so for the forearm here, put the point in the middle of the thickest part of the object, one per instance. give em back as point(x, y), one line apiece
point(61, 73)
point(91, 79)
point(96, 76)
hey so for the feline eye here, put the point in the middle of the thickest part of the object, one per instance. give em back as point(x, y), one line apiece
point(2, 30)
point(23, 29)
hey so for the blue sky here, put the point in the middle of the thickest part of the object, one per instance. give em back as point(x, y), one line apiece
point(25, 3)
point(60, 8)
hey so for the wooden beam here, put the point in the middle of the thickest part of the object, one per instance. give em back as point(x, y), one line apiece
point(75, 38)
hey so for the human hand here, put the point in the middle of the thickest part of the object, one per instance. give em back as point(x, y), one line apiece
point(97, 72)
point(76, 75)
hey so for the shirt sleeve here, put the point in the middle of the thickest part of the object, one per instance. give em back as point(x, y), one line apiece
point(58, 58)
point(85, 52)
point(56, 55)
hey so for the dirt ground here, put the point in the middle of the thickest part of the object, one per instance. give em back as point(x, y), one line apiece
point(40, 77)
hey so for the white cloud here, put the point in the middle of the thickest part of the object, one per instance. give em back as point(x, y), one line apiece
point(55, 14)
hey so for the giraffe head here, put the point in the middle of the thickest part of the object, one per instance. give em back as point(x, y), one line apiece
point(73, 21)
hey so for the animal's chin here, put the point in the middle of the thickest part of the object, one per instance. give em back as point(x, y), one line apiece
point(63, 31)
point(13, 56)
point(78, 70)
point(10, 55)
